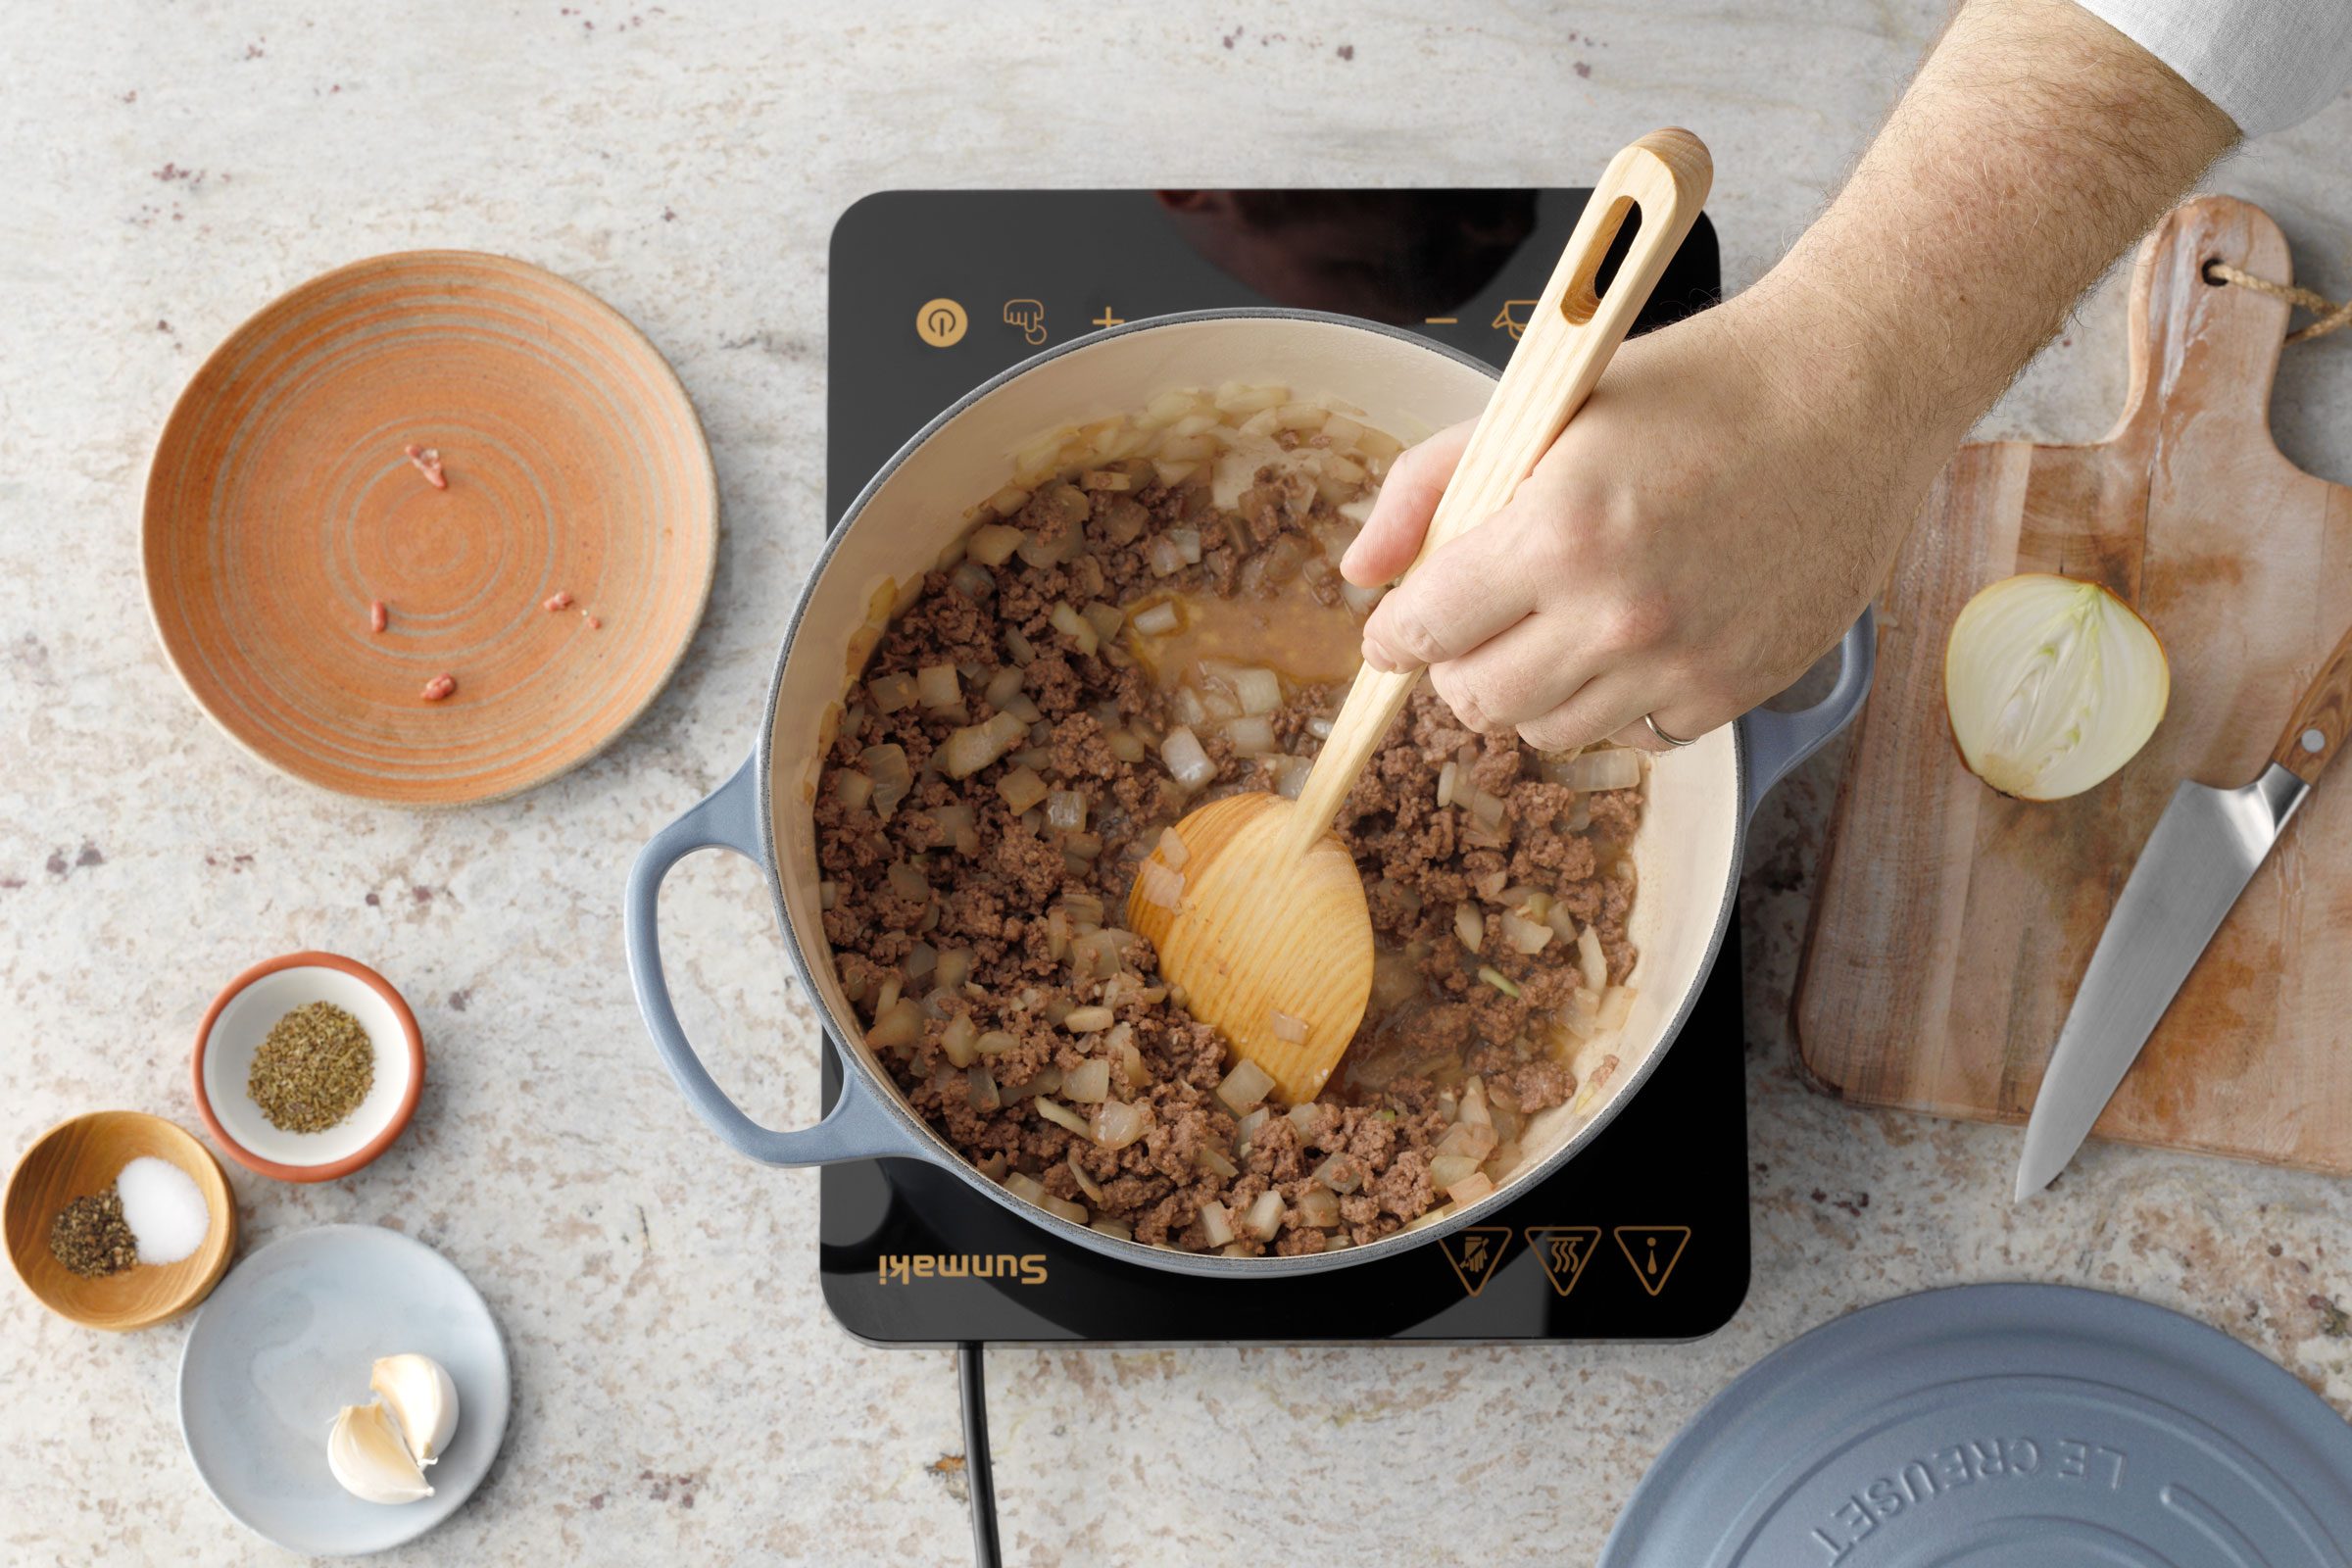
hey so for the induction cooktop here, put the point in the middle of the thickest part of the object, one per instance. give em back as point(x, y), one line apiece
point(1644, 1236)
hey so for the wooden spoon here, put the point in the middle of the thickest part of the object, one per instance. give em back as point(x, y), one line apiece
point(1261, 914)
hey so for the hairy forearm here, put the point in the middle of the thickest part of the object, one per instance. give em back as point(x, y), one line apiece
point(2033, 146)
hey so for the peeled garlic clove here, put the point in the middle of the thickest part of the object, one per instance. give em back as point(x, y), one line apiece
point(369, 1459)
point(2051, 685)
point(423, 1402)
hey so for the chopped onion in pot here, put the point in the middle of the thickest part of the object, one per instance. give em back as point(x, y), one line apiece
point(1190, 710)
point(1616, 1006)
point(1003, 686)
point(887, 766)
point(1342, 1173)
point(1360, 600)
point(1186, 759)
point(1247, 1130)
point(957, 1040)
point(1086, 1184)
point(1446, 1169)
point(1318, 1206)
point(968, 750)
point(1589, 955)
point(1290, 775)
point(1065, 810)
point(1087, 1021)
point(1251, 737)
point(1116, 1229)
point(828, 894)
point(1265, 1215)
point(1244, 1087)
point(992, 544)
point(1106, 620)
point(1019, 648)
point(1215, 1223)
point(921, 960)
point(889, 693)
point(935, 686)
point(1076, 627)
point(1163, 558)
point(1171, 849)
point(982, 1092)
point(1188, 544)
point(1088, 1083)
point(1062, 1116)
point(1118, 1123)
point(1126, 745)
point(1024, 1186)
point(1021, 789)
point(1306, 1119)
point(1446, 777)
point(1260, 690)
point(853, 788)
point(1475, 1108)
point(1616, 767)
point(1523, 934)
point(994, 1043)
point(1466, 1137)
point(1158, 886)
point(1470, 926)
point(895, 1026)
point(906, 880)
point(1158, 620)
point(1075, 1214)
point(973, 580)
point(1285, 1026)
point(1470, 1189)
point(1209, 1160)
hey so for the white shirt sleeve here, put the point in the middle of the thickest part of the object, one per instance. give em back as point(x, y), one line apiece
point(2267, 64)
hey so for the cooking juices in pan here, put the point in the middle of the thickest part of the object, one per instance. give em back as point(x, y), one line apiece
point(1154, 618)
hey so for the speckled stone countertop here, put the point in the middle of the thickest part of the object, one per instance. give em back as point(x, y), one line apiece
point(681, 1391)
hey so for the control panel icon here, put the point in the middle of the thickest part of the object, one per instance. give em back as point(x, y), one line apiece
point(1475, 1253)
point(941, 322)
point(1030, 317)
point(1653, 1251)
point(1513, 317)
point(1563, 1251)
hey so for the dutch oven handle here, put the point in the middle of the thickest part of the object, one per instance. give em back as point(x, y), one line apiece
point(858, 1126)
point(1776, 742)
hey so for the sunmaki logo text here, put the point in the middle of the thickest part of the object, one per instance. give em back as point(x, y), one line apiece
point(903, 1268)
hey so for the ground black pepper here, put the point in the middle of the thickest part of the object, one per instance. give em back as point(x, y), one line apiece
point(90, 1237)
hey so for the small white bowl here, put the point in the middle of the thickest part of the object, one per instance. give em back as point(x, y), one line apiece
point(241, 1017)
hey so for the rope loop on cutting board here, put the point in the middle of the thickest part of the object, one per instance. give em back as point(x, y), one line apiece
point(2329, 315)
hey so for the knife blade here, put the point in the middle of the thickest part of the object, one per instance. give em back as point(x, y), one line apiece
point(2206, 847)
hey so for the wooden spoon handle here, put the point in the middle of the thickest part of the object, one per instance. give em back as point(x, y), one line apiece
point(2318, 729)
point(1569, 338)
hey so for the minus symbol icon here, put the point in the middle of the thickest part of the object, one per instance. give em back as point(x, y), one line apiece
point(1441, 320)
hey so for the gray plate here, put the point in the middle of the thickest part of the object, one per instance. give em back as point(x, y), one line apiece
point(2023, 1426)
point(286, 1342)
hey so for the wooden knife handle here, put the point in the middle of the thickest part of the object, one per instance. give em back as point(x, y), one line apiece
point(2318, 729)
point(1570, 335)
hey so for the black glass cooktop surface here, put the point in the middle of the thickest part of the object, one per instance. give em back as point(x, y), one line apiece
point(1644, 1235)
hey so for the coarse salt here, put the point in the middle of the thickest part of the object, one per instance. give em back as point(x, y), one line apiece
point(164, 1209)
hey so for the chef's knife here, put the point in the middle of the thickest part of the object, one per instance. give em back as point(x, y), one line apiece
point(2204, 851)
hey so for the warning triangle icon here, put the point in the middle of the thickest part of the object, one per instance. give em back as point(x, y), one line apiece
point(1654, 1250)
point(1476, 1252)
point(1563, 1251)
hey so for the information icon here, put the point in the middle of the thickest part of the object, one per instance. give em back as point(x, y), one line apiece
point(941, 324)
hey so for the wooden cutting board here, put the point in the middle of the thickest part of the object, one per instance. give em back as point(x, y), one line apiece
point(1953, 924)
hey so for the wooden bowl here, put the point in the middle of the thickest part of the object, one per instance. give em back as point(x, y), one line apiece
point(281, 506)
point(81, 1156)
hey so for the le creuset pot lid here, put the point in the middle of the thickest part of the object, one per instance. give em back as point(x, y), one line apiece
point(2001, 1426)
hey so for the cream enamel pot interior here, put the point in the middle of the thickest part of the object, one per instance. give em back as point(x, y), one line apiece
point(1702, 795)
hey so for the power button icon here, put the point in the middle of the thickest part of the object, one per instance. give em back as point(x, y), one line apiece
point(941, 324)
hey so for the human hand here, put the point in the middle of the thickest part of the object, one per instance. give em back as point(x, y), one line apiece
point(1721, 509)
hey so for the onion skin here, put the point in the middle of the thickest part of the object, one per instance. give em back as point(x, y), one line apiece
point(2051, 685)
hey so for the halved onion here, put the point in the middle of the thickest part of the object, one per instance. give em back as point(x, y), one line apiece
point(2051, 685)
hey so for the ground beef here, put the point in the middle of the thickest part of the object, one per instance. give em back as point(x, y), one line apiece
point(969, 932)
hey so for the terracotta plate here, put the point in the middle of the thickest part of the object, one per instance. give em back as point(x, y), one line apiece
point(281, 506)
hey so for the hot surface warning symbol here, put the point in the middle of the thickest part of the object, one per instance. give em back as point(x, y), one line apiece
point(1564, 1251)
point(1475, 1253)
point(1654, 1250)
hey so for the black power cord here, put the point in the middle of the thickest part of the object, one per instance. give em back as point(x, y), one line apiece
point(978, 1473)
